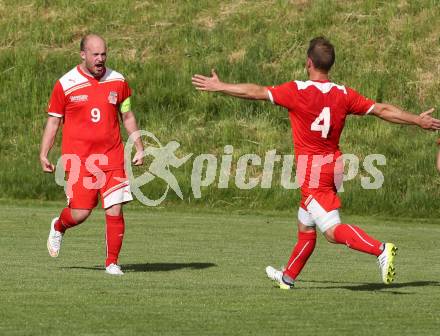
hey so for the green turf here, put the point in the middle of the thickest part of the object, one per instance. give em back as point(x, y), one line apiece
point(203, 273)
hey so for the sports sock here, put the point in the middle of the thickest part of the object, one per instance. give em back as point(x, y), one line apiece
point(355, 238)
point(65, 221)
point(115, 227)
point(300, 254)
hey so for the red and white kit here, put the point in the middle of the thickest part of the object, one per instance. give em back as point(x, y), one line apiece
point(91, 136)
point(317, 111)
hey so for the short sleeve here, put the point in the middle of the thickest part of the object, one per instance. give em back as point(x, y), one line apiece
point(283, 95)
point(57, 101)
point(358, 104)
point(125, 102)
point(126, 91)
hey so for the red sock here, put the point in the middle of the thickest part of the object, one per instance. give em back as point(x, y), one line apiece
point(115, 227)
point(301, 253)
point(355, 238)
point(65, 221)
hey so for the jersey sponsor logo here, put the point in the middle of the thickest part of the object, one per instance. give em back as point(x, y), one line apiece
point(113, 97)
point(78, 99)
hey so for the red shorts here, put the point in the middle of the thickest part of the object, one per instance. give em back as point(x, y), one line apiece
point(319, 200)
point(321, 184)
point(113, 187)
point(326, 196)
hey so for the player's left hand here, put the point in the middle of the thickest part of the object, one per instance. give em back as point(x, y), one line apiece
point(426, 121)
point(203, 83)
point(138, 158)
point(46, 165)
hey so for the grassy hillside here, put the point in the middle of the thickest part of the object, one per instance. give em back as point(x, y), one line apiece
point(386, 50)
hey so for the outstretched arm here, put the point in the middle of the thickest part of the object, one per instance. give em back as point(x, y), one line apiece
point(50, 131)
point(395, 115)
point(246, 91)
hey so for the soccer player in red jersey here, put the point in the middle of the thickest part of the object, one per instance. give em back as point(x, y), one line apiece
point(317, 110)
point(89, 100)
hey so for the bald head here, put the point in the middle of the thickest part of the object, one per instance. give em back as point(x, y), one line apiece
point(93, 54)
point(92, 39)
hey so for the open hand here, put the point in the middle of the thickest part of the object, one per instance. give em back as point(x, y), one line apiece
point(426, 121)
point(203, 83)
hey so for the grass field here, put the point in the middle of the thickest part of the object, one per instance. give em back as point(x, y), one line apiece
point(202, 273)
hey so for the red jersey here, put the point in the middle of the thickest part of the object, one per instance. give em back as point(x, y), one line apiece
point(90, 109)
point(317, 111)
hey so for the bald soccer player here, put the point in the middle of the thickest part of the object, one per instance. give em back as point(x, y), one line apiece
point(89, 101)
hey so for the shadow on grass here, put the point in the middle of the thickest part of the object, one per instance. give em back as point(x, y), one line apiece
point(377, 286)
point(153, 267)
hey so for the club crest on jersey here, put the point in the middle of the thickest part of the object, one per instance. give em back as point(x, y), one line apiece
point(78, 99)
point(113, 97)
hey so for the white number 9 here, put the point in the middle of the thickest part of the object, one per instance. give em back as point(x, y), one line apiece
point(96, 114)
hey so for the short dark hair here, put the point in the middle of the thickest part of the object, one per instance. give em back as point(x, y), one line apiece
point(322, 53)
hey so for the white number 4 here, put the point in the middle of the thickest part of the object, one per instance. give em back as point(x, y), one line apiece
point(323, 117)
point(95, 114)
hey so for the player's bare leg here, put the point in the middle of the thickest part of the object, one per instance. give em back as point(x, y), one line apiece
point(115, 227)
point(67, 219)
point(357, 239)
point(301, 252)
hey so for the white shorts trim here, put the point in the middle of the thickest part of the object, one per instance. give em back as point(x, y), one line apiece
point(316, 215)
point(118, 196)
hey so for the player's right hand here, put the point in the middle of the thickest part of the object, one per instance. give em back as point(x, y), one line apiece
point(47, 166)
